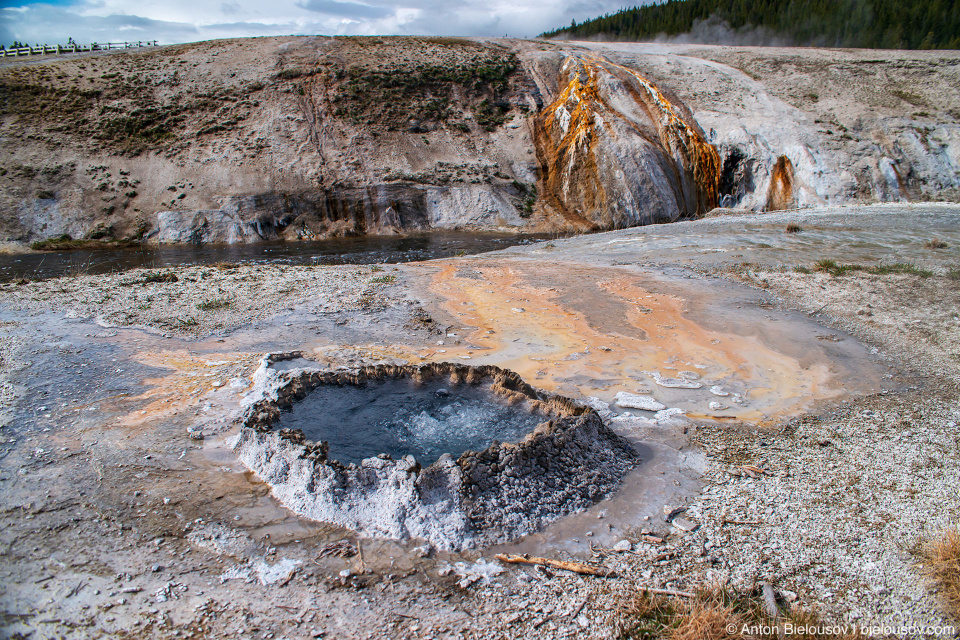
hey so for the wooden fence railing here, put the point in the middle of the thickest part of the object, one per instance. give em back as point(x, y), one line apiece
point(73, 48)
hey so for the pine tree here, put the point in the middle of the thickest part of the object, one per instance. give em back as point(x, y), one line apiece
point(911, 24)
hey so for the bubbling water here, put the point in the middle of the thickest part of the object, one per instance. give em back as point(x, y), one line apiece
point(399, 417)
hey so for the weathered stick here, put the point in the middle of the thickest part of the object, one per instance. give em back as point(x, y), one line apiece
point(576, 567)
point(668, 592)
point(769, 600)
point(754, 471)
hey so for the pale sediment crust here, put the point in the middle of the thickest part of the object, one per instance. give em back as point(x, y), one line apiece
point(569, 462)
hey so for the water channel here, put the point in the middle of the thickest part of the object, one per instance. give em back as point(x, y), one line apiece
point(358, 250)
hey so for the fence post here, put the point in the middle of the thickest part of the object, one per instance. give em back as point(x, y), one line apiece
point(73, 47)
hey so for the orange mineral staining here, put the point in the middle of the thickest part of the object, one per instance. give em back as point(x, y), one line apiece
point(615, 152)
point(780, 195)
point(588, 331)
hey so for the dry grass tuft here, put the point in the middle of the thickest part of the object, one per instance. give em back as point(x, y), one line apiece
point(709, 617)
point(718, 614)
point(793, 227)
point(935, 243)
point(943, 568)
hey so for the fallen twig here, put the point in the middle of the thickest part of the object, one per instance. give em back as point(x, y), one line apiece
point(576, 567)
point(754, 471)
point(341, 548)
point(579, 609)
point(749, 522)
point(769, 600)
point(668, 592)
point(542, 621)
point(76, 589)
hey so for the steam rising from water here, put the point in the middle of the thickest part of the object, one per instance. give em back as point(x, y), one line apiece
point(715, 30)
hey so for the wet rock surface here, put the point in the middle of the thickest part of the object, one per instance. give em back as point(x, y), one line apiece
point(567, 463)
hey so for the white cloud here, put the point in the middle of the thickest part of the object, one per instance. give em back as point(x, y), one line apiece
point(191, 20)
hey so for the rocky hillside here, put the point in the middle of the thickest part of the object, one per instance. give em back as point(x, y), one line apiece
point(310, 137)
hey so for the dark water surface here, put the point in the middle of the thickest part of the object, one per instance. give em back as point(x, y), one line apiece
point(401, 418)
point(361, 250)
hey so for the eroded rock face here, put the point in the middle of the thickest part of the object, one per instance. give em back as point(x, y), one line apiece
point(377, 210)
point(615, 152)
point(566, 464)
point(310, 137)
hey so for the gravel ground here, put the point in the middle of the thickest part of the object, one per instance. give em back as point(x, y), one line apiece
point(833, 518)
point(198, 301)
point(9, 363)
point(834, 523)
point(849, 498)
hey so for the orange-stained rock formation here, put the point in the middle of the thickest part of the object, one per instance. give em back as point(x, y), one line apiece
point(780, 195)
point(615, 152)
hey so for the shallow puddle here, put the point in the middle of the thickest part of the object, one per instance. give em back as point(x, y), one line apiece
point(891, 233)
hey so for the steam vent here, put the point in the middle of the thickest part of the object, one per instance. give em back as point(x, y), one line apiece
point(353, 456)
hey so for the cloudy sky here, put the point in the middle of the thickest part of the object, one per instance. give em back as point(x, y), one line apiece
point(170, 21)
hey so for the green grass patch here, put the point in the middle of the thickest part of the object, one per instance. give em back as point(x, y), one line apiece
point(291, 73)
point(834, 269)
point(426, 91)
point(901, 268)
point(123, 114)
point(527, 198)
point(383, 279)
point(164, 277)
point(215, 304)
point(837, 270)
